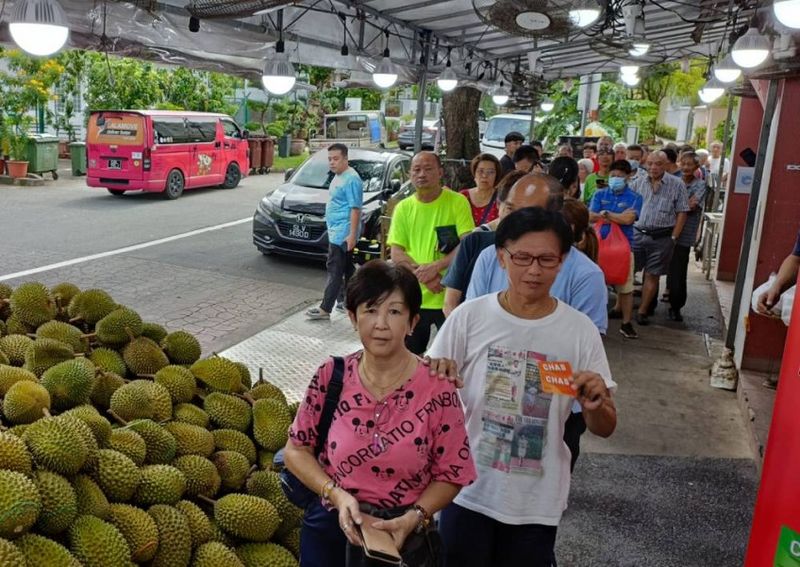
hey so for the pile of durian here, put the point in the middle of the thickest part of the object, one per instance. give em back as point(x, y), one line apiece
point(119, 445)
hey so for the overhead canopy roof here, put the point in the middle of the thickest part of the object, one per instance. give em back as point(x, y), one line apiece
point(235, 37)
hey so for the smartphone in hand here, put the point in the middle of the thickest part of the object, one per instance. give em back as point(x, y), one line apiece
point(378, 544)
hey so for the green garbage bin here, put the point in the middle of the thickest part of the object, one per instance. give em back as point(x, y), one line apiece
point(43, 154)
point(284, 145)
point(77, 153)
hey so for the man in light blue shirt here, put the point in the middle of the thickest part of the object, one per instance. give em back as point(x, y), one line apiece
point(343, 219)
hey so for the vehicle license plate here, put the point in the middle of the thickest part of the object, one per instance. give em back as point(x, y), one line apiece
point(115, 164)
point(299, 231)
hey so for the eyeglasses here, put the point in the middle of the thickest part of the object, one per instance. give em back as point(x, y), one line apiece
point(485, 171)
point(378, 445)
point(523, 259)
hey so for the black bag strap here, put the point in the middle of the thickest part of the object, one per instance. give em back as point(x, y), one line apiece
point(488, 208)
point(331, 401)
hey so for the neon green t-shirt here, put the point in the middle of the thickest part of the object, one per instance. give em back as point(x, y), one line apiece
point(422, 229)
point(590, 186)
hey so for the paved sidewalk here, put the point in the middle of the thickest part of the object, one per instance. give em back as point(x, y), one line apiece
point(673, 487)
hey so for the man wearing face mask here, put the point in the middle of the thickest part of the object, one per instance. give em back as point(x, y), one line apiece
point(636, 159)
point(620, 205)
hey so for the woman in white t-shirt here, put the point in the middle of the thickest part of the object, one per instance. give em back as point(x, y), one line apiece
point(509, 517)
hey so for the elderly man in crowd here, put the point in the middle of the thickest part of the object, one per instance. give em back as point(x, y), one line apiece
point(664, 209)
point(620, 151)
point(424, 235)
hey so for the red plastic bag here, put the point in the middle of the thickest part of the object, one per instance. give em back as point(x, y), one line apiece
point(614, 254)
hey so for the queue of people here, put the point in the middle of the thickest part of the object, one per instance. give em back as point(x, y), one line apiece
point(481, 426)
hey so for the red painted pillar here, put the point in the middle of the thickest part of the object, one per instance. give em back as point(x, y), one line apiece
point(763, 344)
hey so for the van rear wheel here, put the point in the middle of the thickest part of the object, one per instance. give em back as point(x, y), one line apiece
point(116, 192)
point(232, 176)
point(175, 184)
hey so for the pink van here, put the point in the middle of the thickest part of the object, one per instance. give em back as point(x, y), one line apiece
point(164, 151)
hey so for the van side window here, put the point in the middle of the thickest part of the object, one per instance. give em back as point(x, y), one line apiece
point(231, 129)
point(202, 130)
point(171, 132)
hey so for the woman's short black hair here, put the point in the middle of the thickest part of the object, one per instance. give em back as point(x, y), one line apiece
point(622, 165)
point(377, 279)
point(534, 219)
point(565, 169)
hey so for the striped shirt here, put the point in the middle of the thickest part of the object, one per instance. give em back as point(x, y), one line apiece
point(661, 206)
point(688, 235)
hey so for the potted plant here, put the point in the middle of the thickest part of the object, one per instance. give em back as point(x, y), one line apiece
point(4, 145)
point(18, 145)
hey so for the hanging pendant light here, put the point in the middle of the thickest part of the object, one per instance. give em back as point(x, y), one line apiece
point(711, 91)
point(628, 69)
point(787, 12)
point(726, 70)
point(39, 27)
point(500, 94)
point(639, 47)
point(448, 80)
point(584, 12)
point(630, 79)
point(278, 76)
point(547, 105)
point(750, 50)
point(385, 74)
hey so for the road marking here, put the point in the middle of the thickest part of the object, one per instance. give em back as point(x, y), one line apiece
point(124, 250)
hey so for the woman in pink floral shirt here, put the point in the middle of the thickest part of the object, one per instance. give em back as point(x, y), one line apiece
point(397, 447)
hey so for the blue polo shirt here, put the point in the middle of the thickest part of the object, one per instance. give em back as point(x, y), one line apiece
point(607, 200)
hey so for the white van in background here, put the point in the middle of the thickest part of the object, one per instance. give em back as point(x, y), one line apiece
point(493, 141)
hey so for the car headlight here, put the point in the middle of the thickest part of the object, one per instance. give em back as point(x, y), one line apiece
point(267, 207)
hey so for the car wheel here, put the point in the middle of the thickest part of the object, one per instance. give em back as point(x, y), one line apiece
point(116, 192)
point(175, 185)
point(232, 176)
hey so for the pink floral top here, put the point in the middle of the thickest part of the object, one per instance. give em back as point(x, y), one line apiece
point(386, 452)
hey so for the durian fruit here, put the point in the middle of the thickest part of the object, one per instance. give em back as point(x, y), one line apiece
point(293, 407)
point(5, 294)
point(161, 445)
point(40, 550)
point(64, 332)
point(217, 373)
point(199, 523)
point(246, 517)
point(25, 402)
point(15, 347)
point(144, 357)
point(154, 332)
point(59, 503)
point(179, 381)
point(105, 384)
point(214, 554)
point(63, 293)
point(14, 326)
point(291, 541)
point(190, 413)
point(174, 537)
point(32, 304)
point(87, 436)
point(267, 485)
point(244, 374)
point(57, 444)
point(142, 399)
point(202, 476)
point(90, 306)
point(108, 360)
point(129, 443)
point(266, 460)
point(91, 499)
point(181, 347)
point(233, 468)
point(227, 411)
point(160, 484)
point(264, 390)
point(69, 383)
point(271, 422)
point(20, 502)
point(116, 475)
point(14, 454)
point(138, 528)
point(233, 440)
point(46, 353)
point(95, 542)
point(259, 554)
point(191, 439)
point(11, 556)
point(10, 375)
point(118, 327)
point(3, 358)
point(100, 426)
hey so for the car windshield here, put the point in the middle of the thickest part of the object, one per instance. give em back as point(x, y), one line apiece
point(315, 173)
point(498, 128)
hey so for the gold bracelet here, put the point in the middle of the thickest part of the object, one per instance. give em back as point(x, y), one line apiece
point(327, 488)
point(424, 518)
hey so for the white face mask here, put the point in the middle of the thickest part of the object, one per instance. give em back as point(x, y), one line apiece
point(634, 164)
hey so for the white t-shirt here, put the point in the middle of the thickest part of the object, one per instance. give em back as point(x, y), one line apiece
point(516, 432)
point(713, 164)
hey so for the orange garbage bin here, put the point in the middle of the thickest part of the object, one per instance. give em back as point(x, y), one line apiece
point(267, 154)
point(255, 145)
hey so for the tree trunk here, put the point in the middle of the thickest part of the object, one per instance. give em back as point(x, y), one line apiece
point(460, 110)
